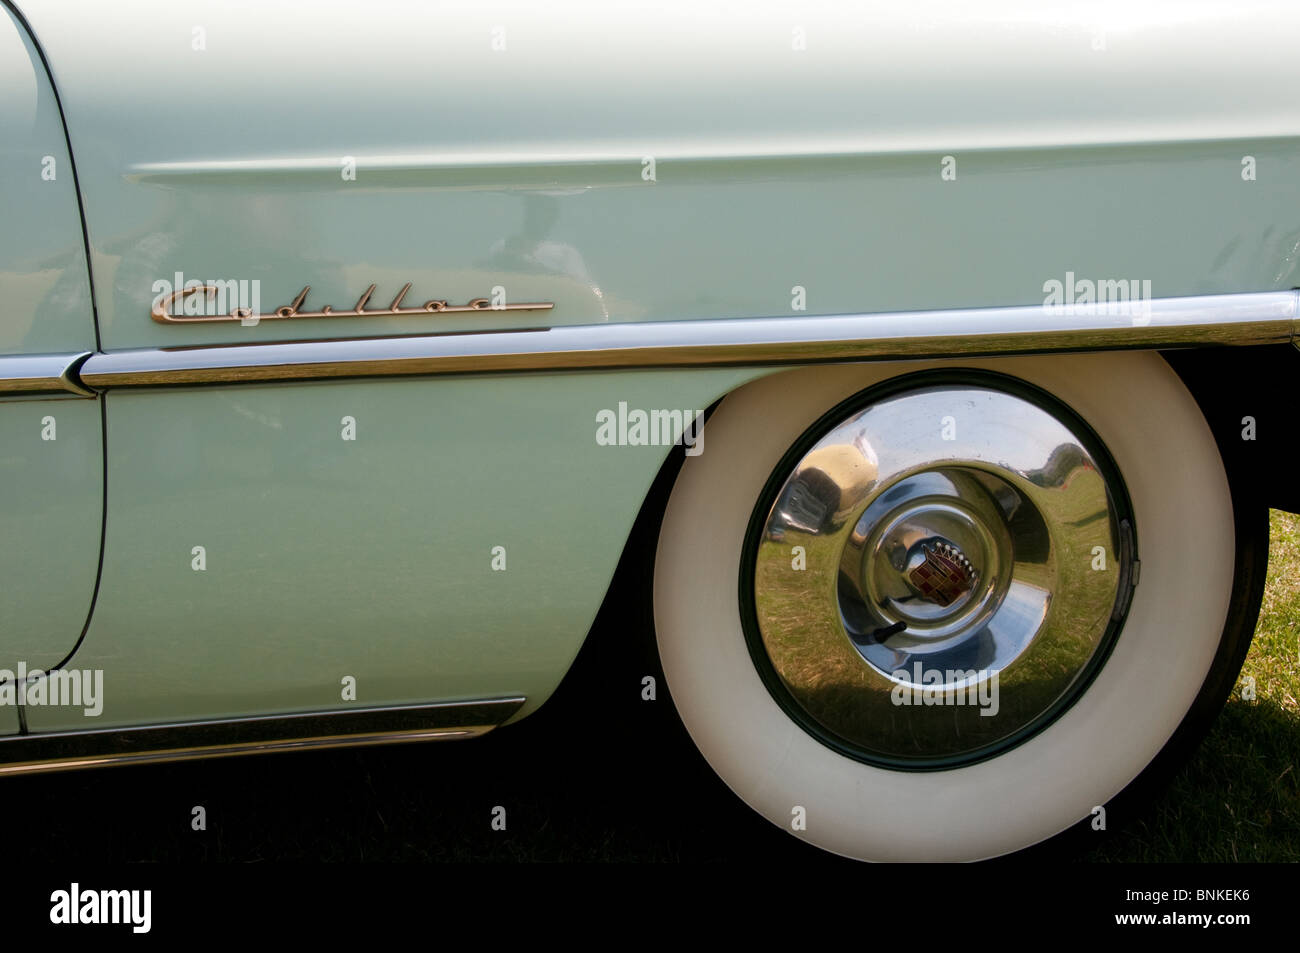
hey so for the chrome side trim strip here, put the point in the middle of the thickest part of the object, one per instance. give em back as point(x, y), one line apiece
point(1256, 318)
point(42, 375)
point(61, 751)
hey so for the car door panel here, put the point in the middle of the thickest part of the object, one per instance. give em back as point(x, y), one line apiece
point(51, 451)
point(45, 303)
point(51, 459)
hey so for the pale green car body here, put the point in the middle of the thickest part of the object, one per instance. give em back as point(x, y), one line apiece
point(738, 174)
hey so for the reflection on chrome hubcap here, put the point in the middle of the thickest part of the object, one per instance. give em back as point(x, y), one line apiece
point(961, 543)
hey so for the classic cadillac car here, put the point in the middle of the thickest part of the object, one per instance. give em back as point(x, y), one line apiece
point(341, 346)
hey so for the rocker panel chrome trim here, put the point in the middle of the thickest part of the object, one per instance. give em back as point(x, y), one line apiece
point(38, 376)
point(38, 753)
point(1241, 319)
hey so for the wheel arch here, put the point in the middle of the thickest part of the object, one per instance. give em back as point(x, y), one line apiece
point(1227, 385)
point(1242, 391)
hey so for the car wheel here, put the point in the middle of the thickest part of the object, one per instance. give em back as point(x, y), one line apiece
point(945, 611)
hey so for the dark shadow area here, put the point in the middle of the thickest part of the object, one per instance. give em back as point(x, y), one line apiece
point(1236, 800)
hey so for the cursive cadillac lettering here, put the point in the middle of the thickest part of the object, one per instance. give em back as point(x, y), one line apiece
point(162, 307)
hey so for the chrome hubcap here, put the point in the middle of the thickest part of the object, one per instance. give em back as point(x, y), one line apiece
point(939, 572)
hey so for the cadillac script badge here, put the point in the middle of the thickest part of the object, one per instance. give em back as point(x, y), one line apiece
point(162, 312)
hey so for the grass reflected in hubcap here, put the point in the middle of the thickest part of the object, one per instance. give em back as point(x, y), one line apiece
point(936, 569)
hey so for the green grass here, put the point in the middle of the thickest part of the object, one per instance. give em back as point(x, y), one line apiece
point(829, 679)
point(1238, 799)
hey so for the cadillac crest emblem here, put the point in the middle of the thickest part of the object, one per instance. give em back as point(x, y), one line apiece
point(945, 576)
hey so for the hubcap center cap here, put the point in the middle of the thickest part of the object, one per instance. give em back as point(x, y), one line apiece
point(940, 572)
point(931, 554)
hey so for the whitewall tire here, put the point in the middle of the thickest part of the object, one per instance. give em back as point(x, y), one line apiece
point(1136, 694)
